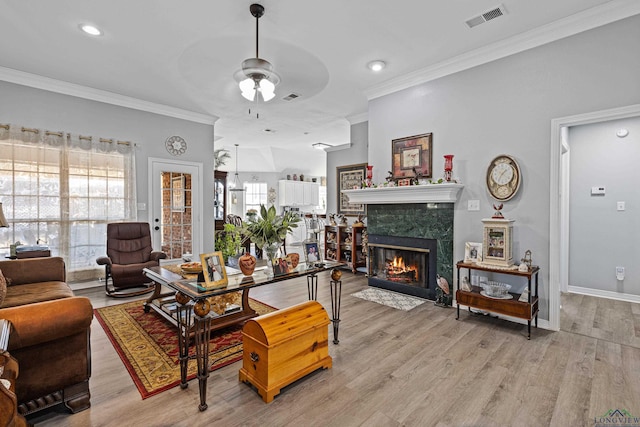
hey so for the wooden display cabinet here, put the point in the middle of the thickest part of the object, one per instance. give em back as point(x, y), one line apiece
point(527, 310)
point(219, 198)
point(344, 244)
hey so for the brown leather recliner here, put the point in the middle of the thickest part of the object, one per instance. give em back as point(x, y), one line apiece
point(129, 251)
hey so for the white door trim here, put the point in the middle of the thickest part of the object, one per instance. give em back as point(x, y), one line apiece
point(557, 175)
point(197, 197)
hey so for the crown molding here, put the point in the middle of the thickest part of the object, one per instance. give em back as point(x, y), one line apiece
point(358, 118)
point(588, 19)
point(58, 86)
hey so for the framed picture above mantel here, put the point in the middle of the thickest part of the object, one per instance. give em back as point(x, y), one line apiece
point(348, 178)
point(412, 154)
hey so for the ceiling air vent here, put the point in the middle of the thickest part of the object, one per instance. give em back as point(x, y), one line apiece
point(494, 13)
point(291, 97)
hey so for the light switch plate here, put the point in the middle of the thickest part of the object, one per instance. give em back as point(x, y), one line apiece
point(473, 205)
point(142, 206)
point(621, 206)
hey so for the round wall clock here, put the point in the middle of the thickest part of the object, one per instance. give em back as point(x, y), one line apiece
point(503, 177)
point(176, 145)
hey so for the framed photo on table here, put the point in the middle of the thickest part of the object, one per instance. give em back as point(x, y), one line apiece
point(215, 275)
point(412, 152)
point(281, 266)
point(472, 252)
point(311, 252)
point(350, 177)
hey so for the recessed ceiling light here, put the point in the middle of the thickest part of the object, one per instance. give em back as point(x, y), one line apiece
point(622, 133)
point(376, 65)
point(90, 29)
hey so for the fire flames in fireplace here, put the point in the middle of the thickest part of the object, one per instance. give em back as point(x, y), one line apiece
point(397, 271)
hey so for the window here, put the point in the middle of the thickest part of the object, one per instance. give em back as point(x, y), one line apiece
point(255, 195)
point(61, 191)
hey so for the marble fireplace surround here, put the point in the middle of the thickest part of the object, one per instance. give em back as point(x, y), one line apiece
point(423, 211)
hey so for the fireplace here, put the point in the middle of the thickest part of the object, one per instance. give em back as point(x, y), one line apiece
point(403, 264)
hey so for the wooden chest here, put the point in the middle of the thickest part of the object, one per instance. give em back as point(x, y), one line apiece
point(284, 346)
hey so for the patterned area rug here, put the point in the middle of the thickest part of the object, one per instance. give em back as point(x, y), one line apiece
point(148, 345)
point(390, 299)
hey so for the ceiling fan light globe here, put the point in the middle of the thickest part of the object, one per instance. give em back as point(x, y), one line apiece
point(267, 89)
point(248, 86)
point(268, 96)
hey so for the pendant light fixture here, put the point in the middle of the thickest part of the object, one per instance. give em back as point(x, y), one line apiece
point(259, 77)
point(234, 186)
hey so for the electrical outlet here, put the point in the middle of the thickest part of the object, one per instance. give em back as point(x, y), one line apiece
point(620, 273)
point(473, 205)
point(620, 206)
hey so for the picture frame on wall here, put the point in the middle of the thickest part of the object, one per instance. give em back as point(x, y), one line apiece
point(348, 178)
point(213, 270)
point(412, 154)
point(472, 252)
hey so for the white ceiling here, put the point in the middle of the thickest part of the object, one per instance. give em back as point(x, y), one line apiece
point(180, 57)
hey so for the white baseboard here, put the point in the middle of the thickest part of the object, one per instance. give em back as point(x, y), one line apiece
point(604, 294)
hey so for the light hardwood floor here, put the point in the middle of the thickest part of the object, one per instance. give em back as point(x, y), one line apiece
point(397, 368)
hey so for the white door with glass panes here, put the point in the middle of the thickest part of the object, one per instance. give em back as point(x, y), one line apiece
point(175, 212)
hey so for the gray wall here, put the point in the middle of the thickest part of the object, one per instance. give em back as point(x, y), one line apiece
point(356, 153)
point(37, 108)
point(601, 237)
point(506, 106)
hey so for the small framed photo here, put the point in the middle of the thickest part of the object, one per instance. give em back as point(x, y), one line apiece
point(215, 275)
point(404, 182)
point(472, 252)
point(311, 252)
point(281, 266)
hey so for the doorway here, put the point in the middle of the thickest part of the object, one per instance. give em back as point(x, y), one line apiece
point(176, 207)
point(559, 217)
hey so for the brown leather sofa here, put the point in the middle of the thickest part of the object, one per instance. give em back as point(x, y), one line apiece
point(49, 337)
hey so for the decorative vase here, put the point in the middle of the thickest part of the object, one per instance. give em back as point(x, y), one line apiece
point(272, 252)
point(301, 177)
point(247, 264)
point(336, 274)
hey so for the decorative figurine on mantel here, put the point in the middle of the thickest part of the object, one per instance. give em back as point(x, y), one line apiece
point(343, 221)
point(332, 219)
point(389, 177)
point(416, 179)
point(497, 214)
point(359, 222)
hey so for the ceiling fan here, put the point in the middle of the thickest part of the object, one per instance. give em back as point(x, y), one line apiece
point(257, 74)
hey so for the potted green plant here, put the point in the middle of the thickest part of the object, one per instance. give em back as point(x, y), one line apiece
point(269, 229)
point(229, 240)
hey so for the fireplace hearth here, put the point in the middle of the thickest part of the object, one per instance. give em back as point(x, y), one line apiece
point(403, 264)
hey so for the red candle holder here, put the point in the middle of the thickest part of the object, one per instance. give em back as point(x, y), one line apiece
point(448, 166)
point(369, 171)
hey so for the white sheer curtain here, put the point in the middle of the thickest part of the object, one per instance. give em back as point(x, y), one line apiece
point(61, 190)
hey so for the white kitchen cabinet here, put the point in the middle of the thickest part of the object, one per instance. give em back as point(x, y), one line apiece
point(298, 193)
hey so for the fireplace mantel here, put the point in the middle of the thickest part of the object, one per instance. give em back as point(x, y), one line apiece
point(428, 193)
